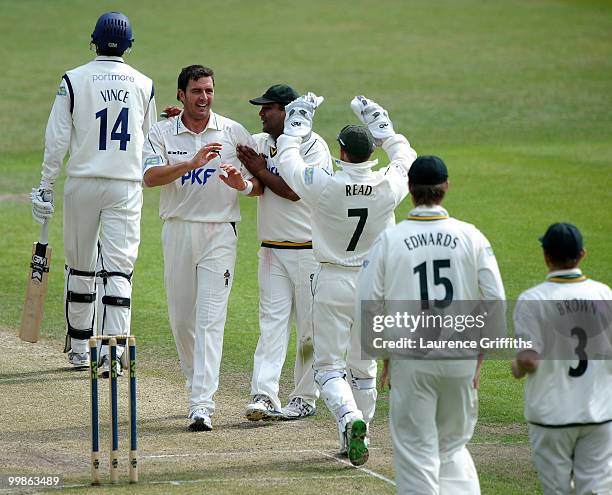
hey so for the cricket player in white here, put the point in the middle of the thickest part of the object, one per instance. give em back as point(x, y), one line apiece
point(199, 235)
point(568, 391)
point(349, 210)
point(286, 266)
point(102, 113)
point(433, 403)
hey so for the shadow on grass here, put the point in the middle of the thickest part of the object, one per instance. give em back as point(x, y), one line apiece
point(64, 373)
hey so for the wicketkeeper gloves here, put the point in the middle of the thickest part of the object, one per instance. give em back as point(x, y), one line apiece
point(42, 204)
point(374, 116)
point(299, 114)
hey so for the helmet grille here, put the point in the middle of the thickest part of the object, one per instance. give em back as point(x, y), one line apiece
point(115, 27)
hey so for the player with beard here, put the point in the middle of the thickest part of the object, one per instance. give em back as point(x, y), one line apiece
point(286, 265)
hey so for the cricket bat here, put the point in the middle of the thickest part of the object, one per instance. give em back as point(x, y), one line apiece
point(36, 291)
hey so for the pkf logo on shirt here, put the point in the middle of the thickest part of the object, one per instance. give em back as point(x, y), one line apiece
point(197, 176)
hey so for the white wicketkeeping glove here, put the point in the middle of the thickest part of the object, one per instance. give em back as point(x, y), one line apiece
point(299, 114)
point(42, 204)
point(375, 117)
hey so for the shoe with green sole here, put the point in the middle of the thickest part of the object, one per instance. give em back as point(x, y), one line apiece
point(358, 442)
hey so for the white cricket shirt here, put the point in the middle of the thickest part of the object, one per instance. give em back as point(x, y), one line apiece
point(280, 219)
point(352, 207)
point(430, 242)
point(564, 391)
point(102, 112)
point(431, 256)
point(199, 195)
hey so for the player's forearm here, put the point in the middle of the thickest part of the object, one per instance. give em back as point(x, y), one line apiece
point(291, 165)
point(276, 184)
point(56, 147)
point(165, 174)
point(258, 187)
point(479, 362)
point(50, 168)
point(399, 151)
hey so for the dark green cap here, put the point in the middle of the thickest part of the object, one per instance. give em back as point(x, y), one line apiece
point(279, 93)
point(428, 170)
point(563, 241)
point(357, 141)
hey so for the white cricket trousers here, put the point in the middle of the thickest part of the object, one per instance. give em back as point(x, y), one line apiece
point(434, 409)
point(285, 289)
point(107, 210)
point(333, 319)
point(199, 261)
point(584, 450)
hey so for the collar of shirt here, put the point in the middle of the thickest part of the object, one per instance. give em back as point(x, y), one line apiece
point(429, 211)
point(362, 168)
point(568, 274)
point(109, 58)
point(213, 123)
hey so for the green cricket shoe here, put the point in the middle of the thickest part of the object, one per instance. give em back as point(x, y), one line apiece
point(358, 442)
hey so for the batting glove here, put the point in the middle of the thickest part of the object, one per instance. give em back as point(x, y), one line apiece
point(374, 116)
point(299, 114)
point(42, 204)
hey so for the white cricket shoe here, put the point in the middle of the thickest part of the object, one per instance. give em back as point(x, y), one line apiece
point(199, 420)
point(261, 408)
point(297, 408)
point(357, 432)
point(104, 367)
point(79, 360)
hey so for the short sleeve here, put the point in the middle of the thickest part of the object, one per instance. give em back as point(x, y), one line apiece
point(527, 324)
point(154, 150)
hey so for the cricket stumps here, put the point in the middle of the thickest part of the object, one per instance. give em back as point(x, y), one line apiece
point(130, 349)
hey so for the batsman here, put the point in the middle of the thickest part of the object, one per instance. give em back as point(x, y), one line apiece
point(102, 113)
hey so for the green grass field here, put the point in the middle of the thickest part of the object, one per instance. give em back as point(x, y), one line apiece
point(515, 95)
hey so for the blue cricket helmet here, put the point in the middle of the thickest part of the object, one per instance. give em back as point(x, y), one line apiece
point(112, 34)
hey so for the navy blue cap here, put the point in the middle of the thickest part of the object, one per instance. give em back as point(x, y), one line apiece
point(563, 241)
point(428, 170)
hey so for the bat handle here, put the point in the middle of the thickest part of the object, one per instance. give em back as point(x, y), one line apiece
point(44, 233)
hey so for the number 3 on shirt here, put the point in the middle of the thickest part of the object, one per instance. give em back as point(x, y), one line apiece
point(120, 129)
point(583, 362)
